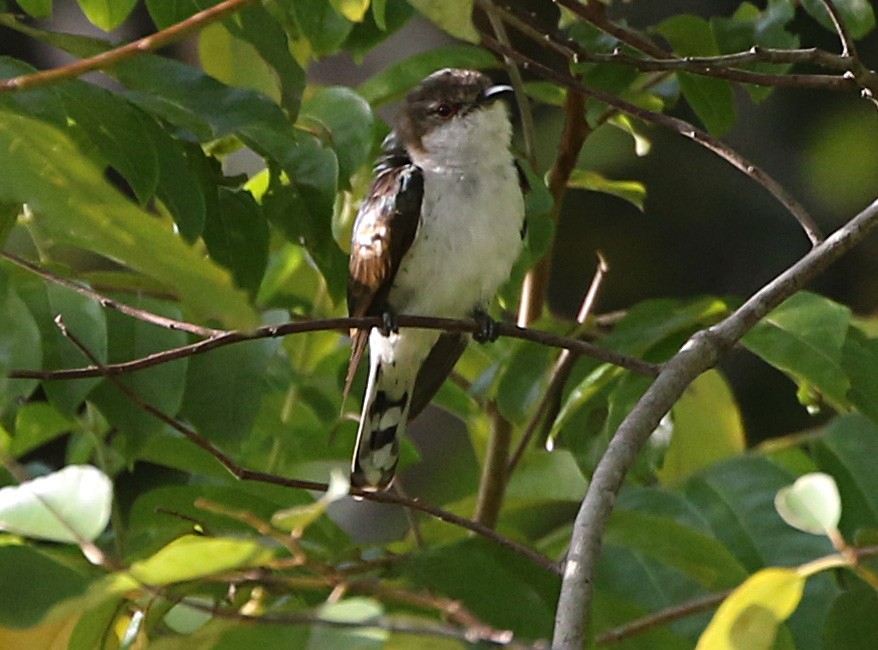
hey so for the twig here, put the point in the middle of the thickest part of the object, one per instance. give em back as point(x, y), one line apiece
point(343, 324)
point(697, 355)
point(492, 485)
point(847, 43)
point(679, 126)
point(562, 368)
point(524, 111)
point(249, 475)
point(672, 613)
point(576, 130)
point(140, 314)
point(130, 50)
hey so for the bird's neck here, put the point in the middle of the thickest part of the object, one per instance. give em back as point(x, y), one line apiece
point(479, 140)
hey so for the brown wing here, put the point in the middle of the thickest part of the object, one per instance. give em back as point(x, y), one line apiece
point(383, 231)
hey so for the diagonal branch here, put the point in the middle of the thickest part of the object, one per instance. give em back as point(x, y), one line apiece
point(698, 354)
point(677, 125)
point(106, 59)
point(245, 474)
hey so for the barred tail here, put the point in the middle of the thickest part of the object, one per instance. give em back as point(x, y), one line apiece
point(382, 422)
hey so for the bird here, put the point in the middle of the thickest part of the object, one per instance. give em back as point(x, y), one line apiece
point(437, 234)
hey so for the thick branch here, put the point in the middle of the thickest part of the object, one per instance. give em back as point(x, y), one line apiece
point(699, 354)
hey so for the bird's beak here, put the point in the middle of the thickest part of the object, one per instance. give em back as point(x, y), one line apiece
point(492, 94)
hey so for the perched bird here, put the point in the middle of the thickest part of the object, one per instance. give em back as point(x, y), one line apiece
point(436, 235)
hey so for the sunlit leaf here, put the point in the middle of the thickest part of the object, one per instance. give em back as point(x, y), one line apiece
point(107, 14)
point(70, 505)
point(750, 616)
point(632, 191)
point(452, 16)
point(707, 427)
point(74, 204)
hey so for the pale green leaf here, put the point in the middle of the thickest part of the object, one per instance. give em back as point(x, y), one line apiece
point(70, 505)
point(452, 16)
point(632, 191)
point(107, 14)
point(811, 504)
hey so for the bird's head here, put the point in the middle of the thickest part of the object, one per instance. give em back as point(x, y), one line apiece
point(453, 115)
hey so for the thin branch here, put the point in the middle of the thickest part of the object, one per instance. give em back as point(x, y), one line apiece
point(661, 617)
point(249, 475)
point(230, 337)
point(720, 67)
point(698, 354)
point(524, 110)
point(104, 301)
point(492, 485)
point(677, 125)
point(847, 42)
point(106, 59)
point(561, 371)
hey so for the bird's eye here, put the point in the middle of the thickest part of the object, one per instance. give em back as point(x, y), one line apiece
point(446, 111)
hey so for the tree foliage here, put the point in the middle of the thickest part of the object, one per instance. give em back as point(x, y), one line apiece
point(172, 363)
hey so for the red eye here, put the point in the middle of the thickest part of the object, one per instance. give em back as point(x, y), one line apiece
point(446, 111)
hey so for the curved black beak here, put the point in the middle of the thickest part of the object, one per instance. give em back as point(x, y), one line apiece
point(492, 94)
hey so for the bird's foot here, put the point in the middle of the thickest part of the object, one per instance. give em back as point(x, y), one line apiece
point(388, 323)
point(487, 327)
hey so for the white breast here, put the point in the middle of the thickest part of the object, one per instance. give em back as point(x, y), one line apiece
point(471, 219)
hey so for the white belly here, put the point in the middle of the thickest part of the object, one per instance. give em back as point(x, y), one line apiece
point(468, 239)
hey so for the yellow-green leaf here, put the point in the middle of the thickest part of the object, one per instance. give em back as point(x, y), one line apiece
point(749, 617)
point(353, 10)
point(707, 427)
point(452, 16)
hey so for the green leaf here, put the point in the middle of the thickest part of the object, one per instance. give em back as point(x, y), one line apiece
point(287, 210)
point(224, 388)
point(851, 621)
point(451, 16)
point(811, 504)
point(234, 61)
point(36, 424)
point(523, 380)
point(845, 451)
point(750, 616)
point(20, 346)
point(707, 427)
point(191, 556)
point(160, 386)
point(351, 610)
point(258, 27)
point(119, 131)
point(107, 14)
point(804, 338)
point(736, 498)
point(632, 191)
point(712, 99)
point(672, 544)
point(237, 238)
point(74, 204)
point(525, 603)
point(86, 320)
point(857, 15)
point(179, 186)
point(859, 360)
point(323, 27)
point(353, 10)
point(348, 121)
point(391, 83)
point(40, 582)
point(36, 8)
point(544, 476)
point(165, 13)
point(37, 102)
point(69, 505)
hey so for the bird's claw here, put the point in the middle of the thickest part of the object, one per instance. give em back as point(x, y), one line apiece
point(388, 323)
point(488, 331)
